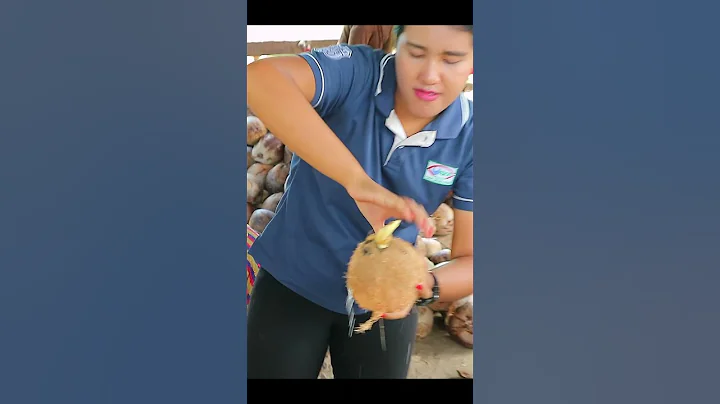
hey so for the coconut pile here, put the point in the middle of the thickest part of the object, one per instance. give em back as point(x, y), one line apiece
point(268, 166)
point(456, 318)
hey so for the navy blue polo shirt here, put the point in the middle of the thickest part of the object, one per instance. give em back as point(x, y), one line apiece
point(308, 244)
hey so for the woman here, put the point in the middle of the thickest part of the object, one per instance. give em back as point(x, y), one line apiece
point(358, 147)
point(375, 36)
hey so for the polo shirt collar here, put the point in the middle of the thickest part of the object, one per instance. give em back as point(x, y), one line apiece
point(447, 125)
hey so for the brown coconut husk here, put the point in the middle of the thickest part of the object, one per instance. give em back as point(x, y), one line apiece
point(426, 319)
point(383, 274)
point(459, 321)
point(444, 220)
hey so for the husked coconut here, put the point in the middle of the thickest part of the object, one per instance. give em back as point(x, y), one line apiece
point(440, 256)
point(250, 160)
point(445, 241)
point(259, 171)
point(260, 219)
point(431, 246)
point(253, 188)
point(268, 150)
point(255, 130)
point(384, 273)
point(444, 220)
point(426, 318)
point(439, 307)
point(272, 201)
point(261, 197)
point(288, 156)
point(275, 180)
point(250, 210)
point(459, 321)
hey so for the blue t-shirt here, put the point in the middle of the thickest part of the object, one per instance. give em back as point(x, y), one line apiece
point(317, 226)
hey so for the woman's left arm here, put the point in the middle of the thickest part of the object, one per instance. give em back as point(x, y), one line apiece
point(455, 278)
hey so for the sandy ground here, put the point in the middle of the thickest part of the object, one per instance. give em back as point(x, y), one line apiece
point(435, 357)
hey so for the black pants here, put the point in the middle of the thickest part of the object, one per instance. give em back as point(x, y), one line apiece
point(288, 337)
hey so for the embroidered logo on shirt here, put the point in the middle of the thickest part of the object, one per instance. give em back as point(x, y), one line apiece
point(336, 52)
point(440, 174)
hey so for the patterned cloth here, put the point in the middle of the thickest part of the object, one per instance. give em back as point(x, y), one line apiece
point(251, 266)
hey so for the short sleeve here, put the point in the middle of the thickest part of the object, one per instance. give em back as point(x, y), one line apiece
point(463, 189)
point(342, 73)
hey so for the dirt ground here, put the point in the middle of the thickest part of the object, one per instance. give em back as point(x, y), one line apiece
point(435, 357)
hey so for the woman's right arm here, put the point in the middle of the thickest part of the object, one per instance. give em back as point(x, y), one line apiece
point(279, 92)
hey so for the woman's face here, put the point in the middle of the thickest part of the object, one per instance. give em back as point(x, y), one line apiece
point(433, 63)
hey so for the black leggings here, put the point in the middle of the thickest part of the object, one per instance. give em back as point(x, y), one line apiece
point(288, 337)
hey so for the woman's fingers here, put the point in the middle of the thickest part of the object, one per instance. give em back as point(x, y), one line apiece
point(421, 218)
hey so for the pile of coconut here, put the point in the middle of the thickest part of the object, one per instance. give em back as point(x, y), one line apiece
point(456, 318)
point(268, 166)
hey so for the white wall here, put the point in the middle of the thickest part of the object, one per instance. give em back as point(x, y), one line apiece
point(265, 33)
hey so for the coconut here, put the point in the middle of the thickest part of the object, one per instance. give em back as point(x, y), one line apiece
point(459, 321)
point(260, 198)
point(250, 210)
point(431, 246)
point(440, 256)
point(288, 156)
point(426, 318)
point(272, 201)
point(443, 218)
point(445, 241)
point(250, 160)
point(260, 219)
point(254, 188)
point(275, 179)
point(260, 172)
point(383, 274)
point(268, 150)
point(255, 130)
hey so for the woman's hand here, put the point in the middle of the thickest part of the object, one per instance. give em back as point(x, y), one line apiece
point(378, 205)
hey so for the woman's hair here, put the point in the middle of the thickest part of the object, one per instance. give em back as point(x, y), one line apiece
point(400, 28)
